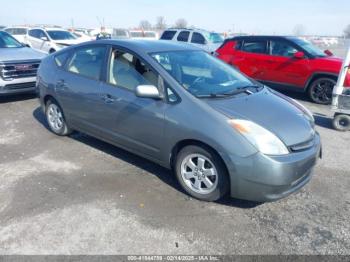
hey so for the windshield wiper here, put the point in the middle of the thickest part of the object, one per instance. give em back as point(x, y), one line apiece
point(239, 90)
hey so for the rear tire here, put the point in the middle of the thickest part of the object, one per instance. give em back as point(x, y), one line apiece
point(55, 119)
point(201, 173)
point(341, 122)
point(321, 89)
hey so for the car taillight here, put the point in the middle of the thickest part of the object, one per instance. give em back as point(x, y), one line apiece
point(347, 79)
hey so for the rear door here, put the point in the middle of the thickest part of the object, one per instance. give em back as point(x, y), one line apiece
point(282, 67)
point(78, 88)
point(183, 36)
point(33, 38)
point(251, 57)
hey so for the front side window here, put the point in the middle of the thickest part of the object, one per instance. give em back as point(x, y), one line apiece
point(87, 61)
point(281, 48)
point(7, 41)
point(201, 74)
point(254, 46)
point(34, 33)
point(309, 47)
point(128, 71)
point(60, 35)
point(183, 36)
point(197, 39)
point(168, 35)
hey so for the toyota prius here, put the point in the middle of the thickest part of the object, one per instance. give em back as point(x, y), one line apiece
point(176, 105)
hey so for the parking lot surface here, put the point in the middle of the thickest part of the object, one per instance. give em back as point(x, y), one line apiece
point(78, 195)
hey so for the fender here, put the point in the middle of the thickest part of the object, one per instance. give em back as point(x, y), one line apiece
point(318, 73)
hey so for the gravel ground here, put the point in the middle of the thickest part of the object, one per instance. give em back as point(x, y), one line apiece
point(78, 195)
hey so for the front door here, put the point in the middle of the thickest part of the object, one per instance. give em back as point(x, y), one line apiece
point(283, 67)
point(133, 122)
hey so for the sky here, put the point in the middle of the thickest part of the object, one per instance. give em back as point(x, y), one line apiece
point(321, 17)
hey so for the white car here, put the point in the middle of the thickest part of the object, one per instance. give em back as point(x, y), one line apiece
point(50, 40)
point(209, 41)
point(18, 32)
point(145, 35)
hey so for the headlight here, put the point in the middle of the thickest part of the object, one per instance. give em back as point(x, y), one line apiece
point(265, 141)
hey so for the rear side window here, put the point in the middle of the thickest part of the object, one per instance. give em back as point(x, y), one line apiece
point(168, 35)
point(197, 39)
point(183, 36)
point(255, 46)
point(61, 59)
point(87, 61)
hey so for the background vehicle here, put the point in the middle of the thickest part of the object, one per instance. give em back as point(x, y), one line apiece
point(119, 33)
point(18, 32)
point(208, 41)
point(137, 95)
point(341, 98)
point(145, 35)
point(50, 40)
point(284, 62)
point(2, 27)
point(18, 66)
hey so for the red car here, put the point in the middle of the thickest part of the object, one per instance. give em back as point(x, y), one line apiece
point(285, 63)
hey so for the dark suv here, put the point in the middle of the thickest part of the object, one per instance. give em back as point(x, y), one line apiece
point(285, 62)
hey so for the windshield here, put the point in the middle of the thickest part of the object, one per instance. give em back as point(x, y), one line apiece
point(60, 35)
point(202, 74)
point(150, 34)
point(136, 34)
point(7, 41)
point(309, 47)
point(215, 38)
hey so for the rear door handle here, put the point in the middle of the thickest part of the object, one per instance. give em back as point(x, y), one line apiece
point(108, 99)
point(61, 84)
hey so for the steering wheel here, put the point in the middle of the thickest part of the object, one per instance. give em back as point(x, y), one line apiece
point(200, 79)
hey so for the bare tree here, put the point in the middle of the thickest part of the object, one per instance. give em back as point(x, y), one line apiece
point(181, 23)
point(299, 30)
point(160, 24)
point(347, 31)
point(145, 25)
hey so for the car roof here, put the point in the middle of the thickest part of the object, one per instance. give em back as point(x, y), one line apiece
point(149, 46)
point(276, 37)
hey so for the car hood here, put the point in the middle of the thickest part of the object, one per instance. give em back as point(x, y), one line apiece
point(271, 111)
point(20, 54)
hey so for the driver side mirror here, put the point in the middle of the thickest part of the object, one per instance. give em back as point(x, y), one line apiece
point(148, 91)
point(299, 55)
point(328, 52)
point(44, 38)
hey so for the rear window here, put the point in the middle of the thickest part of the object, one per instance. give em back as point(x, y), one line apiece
point(183, 36)
point(168, 35)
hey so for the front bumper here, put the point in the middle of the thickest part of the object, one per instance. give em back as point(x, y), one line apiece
point(18, 86)
point(264, 178)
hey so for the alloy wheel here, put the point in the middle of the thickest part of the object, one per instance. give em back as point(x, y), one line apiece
point(199, 174)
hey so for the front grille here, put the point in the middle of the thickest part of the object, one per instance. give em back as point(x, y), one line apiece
point(15, 70)
point(20, 86)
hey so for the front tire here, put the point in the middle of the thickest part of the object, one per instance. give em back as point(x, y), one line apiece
point(341, 122)
point(201, 173)
point(321, 89)
point(55, 119)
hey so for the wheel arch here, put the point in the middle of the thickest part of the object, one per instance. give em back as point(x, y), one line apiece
point(318, 75)
point(193, 142)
